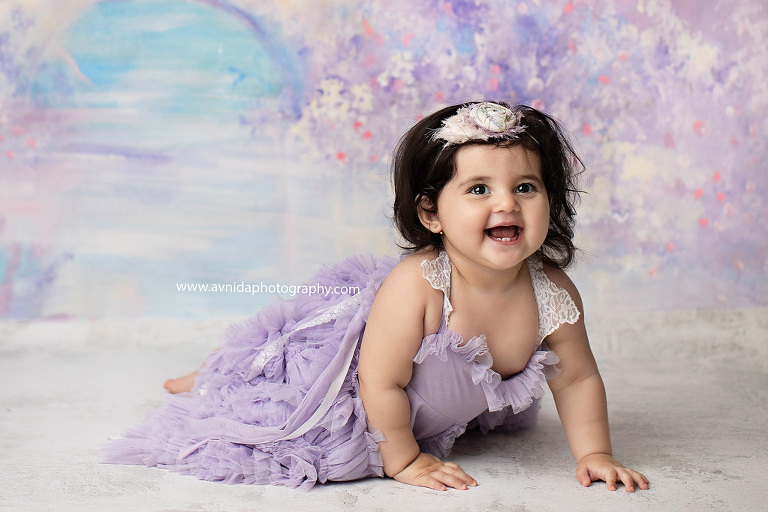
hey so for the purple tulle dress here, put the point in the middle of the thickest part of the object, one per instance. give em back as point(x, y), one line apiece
point(279, 402)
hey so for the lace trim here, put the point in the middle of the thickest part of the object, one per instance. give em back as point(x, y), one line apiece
point(556, 306)
point(438, 273)
point(273, 348)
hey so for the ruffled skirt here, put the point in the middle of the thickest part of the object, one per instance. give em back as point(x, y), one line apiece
point(266, 408)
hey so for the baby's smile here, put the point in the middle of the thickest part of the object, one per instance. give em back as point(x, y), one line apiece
point(508, 233)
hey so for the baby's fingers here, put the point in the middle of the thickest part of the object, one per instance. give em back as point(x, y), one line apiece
point(448, 479)
point(431, 482)
point(630, 477)
point(453, 469)
point(583, 476)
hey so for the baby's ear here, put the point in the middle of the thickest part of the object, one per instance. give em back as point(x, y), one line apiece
point(428, 214)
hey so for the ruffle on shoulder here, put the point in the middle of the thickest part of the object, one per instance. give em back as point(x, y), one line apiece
point(517, 392)
point(556, 306)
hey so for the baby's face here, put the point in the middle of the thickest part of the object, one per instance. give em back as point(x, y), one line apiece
point(495, 210)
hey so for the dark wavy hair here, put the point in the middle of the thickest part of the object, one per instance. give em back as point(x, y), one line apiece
point(422, 167)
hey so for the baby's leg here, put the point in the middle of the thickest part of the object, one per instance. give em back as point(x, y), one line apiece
point(181, 384)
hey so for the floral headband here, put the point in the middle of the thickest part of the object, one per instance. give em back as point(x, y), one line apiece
point(480, 121)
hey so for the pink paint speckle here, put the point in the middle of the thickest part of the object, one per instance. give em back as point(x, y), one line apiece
point(357, 125)
point(587, 129)
point(703, 222)
point(30, 142)
point(366, 135)
point(698, 193)
point(738, 265)
point(538, 104)
point(10, 155)
point(717, 177)
point(604, 79)
point(17, 130)
point(571, 48)
point(699, 127)
point(495, 69)
point(720, 197)
point(373, 158)
point(735, 142)
point(568, 9)
point(367, 27)
point(341, 156)
point(669, 141)
point(623, 56)
point(493, 84)
point(407, 38)
point(670, 246)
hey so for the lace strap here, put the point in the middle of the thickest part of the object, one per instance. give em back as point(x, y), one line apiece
point(438, 273)
point(556, 306)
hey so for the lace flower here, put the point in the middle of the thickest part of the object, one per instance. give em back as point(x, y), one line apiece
point(480, 121)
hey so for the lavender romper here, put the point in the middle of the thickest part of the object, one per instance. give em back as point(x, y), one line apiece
point(279, 402)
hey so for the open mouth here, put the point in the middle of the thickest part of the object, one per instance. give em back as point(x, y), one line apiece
point(504, 233)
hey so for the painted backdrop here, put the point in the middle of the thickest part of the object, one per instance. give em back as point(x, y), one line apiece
point(146, 145)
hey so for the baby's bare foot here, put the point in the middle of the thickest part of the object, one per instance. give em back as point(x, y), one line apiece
point(182, 384)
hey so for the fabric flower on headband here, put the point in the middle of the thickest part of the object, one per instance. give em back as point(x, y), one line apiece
point(480, 121)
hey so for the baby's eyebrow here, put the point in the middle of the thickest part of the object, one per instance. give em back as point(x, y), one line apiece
point(474, 179)
point(532, 177)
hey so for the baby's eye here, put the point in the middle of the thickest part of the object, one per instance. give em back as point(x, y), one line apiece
point(479, 189)
point(525, 188)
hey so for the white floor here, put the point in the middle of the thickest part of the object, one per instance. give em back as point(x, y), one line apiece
point(687, 394)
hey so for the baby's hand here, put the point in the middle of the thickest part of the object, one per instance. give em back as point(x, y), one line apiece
point(601, 466)
point(429, 471)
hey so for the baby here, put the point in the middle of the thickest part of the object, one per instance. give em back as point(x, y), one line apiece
point(462, 331)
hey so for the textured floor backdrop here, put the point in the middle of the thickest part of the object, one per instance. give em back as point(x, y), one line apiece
point(687, 394)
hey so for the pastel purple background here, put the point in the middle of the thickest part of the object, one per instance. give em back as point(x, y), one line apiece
point(149, 143)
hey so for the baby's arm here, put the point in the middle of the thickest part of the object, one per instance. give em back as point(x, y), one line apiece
point(580, 398)
point(392, 338)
